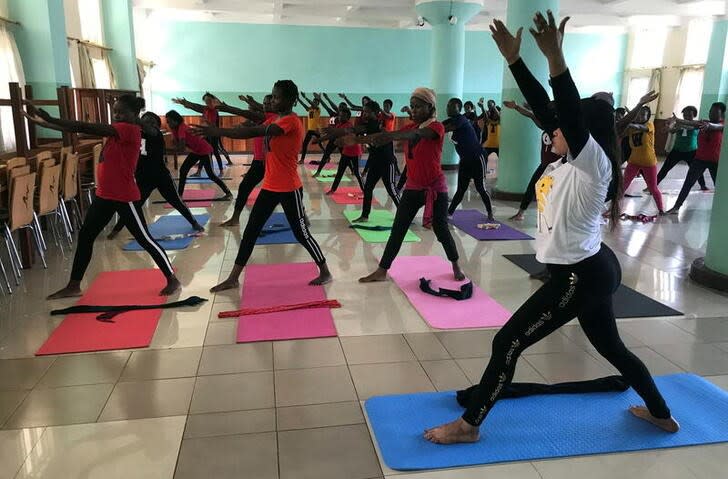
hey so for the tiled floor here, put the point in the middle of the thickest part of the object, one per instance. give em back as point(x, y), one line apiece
point(195, 404)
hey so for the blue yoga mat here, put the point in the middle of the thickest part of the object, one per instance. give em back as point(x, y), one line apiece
point(277, 231)
point(171, 225)
point(542, 427)
point(203, 178)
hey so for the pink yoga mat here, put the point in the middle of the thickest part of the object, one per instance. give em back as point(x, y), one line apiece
point(329, 166)
point(480, 311)
point(269, 285)
point(350, 195)
point(80, 333)
point(196, 195)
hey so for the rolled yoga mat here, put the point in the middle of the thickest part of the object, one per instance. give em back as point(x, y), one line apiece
point(546, 427)
point(172, 232)
point(268, 285)
point(479, 311)
point(382, 218)
point(79, 333)
point(627, 302)
point(468, 221)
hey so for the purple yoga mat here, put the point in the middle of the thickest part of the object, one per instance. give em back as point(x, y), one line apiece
point(468, 221)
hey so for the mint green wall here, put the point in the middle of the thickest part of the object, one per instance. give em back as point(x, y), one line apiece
point(229, 59)
point(119, 35)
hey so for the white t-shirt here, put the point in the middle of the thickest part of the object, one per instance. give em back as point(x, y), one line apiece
point(570, 200)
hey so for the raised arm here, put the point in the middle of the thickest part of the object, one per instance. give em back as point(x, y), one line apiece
point(549, 38)
point(302, 101)
point(254, 104)
point(352, 106)
point(334, 106)
point(632, 114)
point(189, 105)
point(408, 110)
point(523, 111)
point(324, 105)
point(42, 118)
point(256, 116)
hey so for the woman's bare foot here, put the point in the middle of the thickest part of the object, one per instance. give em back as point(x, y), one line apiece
point(457, 272)
point(330, 192)
point(517, 217)
point(198, 227)
point(173, 285)
point(231, 222)
point(361, 219)
point(669, 425)
point(72, 290)
point(324, 277)
point(379, 275)
point(491, 218)
point(454, 432)
point(228, 197)
point(230, 283)
point(673, 211)
point(316, 174)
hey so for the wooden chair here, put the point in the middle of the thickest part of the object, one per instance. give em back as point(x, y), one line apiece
point(22, 216)
point(88, 183)
point(47, 203)
point(69, 192)
point(37, 160)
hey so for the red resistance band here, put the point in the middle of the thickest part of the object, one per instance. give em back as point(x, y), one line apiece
point(328, 303)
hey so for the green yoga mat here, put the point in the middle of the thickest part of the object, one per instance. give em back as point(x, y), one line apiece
point(378, 218)
point(329, 178)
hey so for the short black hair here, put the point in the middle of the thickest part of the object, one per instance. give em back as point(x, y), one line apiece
point(645, 107)
point(720, 105)
point(373, 106)
point(620, 109)
point(136, 103)
point(344, 112)
point(173, 115)
point(457, 101)
point(207, 93)
point(153, 116)
point(366, 98)
point(288, 88)
point(470, 104)
point(388, 102)
point(690, 108)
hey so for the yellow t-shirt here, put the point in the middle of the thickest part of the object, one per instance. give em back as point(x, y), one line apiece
point(643, 147)
point(314, 119)
point(493, 140)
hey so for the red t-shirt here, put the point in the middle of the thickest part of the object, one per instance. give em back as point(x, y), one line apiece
point(281, 161)
point(423, 159)
point(388, 122)
point(196, 144)
point(211, 115)
point(118, 163)
point(709, 143)
point(351, 150)
point(259, 141)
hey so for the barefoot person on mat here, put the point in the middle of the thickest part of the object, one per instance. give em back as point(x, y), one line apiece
point(585, 273)
point(426, 185)
point(281, 182)
point(116, 189)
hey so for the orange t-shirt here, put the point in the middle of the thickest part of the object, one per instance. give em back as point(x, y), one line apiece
point(281, 161)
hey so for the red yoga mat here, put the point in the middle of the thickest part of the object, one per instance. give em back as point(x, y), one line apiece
point(329, 166)
point(269, 285)
point(196, 196)
point(350, 195)
point(80, 333)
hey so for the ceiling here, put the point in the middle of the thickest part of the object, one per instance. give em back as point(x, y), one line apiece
point(401, 13)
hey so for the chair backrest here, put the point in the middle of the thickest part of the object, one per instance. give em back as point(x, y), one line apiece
point(15, 162)
point(21, 201)
point(14, 173)
point(97, 159)
point(50, 177)
point(65, 151)
point(69, 184)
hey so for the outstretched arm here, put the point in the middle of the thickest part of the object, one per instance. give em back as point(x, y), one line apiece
point(333, 105)
point(352, 106)
point(632, 115)
point(252, 102)
point(256, 116)
point(240, 133)
point(523, 111)
point(302, 101)
point(189, 105)
point(44, 119)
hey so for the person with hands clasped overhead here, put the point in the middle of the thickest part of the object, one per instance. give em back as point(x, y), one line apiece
point(585, 273)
